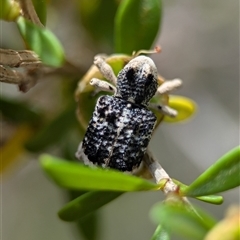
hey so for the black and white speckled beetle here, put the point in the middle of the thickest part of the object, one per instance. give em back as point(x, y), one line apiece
point(121, 126)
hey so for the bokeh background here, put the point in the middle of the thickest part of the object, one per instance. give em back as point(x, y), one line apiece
point(200, 44)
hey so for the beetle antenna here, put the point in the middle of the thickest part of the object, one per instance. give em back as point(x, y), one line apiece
point(157, 49)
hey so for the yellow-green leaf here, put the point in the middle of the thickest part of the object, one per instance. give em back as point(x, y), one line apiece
point(185, 107)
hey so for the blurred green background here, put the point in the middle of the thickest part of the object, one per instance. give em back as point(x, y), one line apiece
point(200, 44)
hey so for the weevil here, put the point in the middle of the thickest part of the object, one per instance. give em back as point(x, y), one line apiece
point(121, 127)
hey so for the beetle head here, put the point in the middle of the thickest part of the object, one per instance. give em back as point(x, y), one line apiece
point(137, 81)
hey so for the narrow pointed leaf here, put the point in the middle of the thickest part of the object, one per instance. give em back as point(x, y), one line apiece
point(213, 199)
point(85, 204)
point(136, 24)
point(80, 177)
point(221, 176)
point(43, 42)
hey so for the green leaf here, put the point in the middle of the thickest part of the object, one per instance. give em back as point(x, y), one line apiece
point(136, 24)
point(43, 42)
point(53, 131)
point(86, 204)
point(221, 176)
point(80, 177)
point(178, 220)
point(18, 112)
point(160, 234)
point(10, 10)
point(97, 18)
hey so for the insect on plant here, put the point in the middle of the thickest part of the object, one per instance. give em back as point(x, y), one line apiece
point(122, 125)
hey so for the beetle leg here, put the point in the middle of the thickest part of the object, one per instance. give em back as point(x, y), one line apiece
point(101, 85)
point(79, 152)
point(158, 173)
point(165, 88)
point(164, 109)
point(169, 86)
point(105, 69)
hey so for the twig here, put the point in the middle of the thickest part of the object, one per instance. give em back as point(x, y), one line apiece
point(158, 173)
point(169, 188)
point(28, 11)
point(22, 58)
